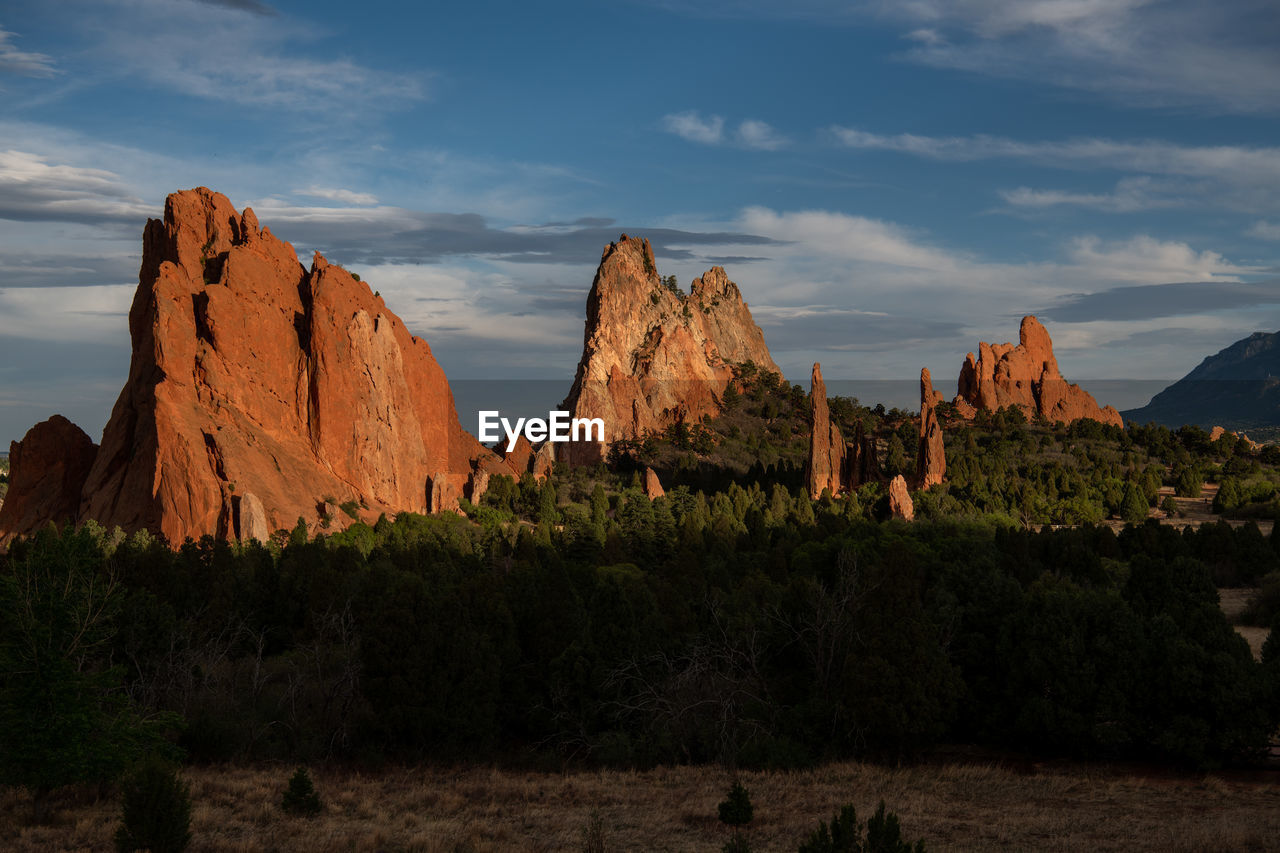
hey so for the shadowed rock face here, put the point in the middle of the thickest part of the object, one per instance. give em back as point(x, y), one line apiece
point(931, 458)
point(826, 468)
point(47, 470)
point(259, 389)
point(652, 357)
point(1026, 375)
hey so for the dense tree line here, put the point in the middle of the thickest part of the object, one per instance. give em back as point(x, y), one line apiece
point(732, 620)
point(751, 626)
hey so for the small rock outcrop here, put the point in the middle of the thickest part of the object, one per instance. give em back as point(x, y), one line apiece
point(931, 456)
point(900, 505)
point(261, 391)
point(47, 470)
point(652, 485)
point(1026, 375)
point(826, 466)
point(653, 356)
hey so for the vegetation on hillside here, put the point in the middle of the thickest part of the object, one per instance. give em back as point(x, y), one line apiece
point(733, 620)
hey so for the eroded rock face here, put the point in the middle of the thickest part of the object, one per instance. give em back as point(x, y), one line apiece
point(900, 499)
point(826, 466)
point(652, 485)
point(47, 470)
point(652, 357)
point(258, 388)
point(1026, 375)
point(931, 456)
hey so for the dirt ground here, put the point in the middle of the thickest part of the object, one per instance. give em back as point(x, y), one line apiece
point(951, 807)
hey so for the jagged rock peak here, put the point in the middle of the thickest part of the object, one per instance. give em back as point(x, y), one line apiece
point(1025, 375)
point(826, 464)
point(931, 457)
point(260, 392)
point(653, 355)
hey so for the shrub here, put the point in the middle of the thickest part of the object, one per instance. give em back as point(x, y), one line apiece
point(736, 810)
point(884, 835)
point(156, 811)
point(300, 798)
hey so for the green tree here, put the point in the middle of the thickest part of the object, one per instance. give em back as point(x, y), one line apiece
point(300, 798)
point(64, 717)
point(156, 810)
point(1134, 507)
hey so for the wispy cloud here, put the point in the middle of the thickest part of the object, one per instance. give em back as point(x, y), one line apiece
point(710, 130)
point(1129, 196)
point(340, 195)
point(32, 189)
point(243, 6)
point(753, 133)
point(253, 59)
point(1264, 230)
point(1234, 176)
point(25, 63)
point(694, 127)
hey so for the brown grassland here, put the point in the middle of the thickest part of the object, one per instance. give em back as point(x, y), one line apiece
point(953, 806)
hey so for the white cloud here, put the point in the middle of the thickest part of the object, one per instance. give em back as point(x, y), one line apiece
point(27, 64)
point(1175, 52)
point(1233, 176)
point(210, 51)
point(710, 130)
point(753, 133)
point(96, 314)
point(31, 188)
point(1264, 230)
point(692, 126)
point(1145, 259)
point(1129, 196)
point(344, 196)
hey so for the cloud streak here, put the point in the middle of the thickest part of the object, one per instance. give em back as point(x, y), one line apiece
point(24, 63)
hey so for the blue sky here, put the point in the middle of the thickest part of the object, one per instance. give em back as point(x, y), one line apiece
point(888, 182)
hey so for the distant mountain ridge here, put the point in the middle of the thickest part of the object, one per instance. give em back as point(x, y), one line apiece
point(1238, 388)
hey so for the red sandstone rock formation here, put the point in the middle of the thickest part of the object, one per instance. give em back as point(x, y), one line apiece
point(543, 462)
point(47, 470)
point(931, 458)
point(652, 485)
point(259, 390)
point(1026, 375)
point(826, 468)
point(900, 499)
point(652, 357)
point(520, 456)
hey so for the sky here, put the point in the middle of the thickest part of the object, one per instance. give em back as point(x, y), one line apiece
point(887, 182)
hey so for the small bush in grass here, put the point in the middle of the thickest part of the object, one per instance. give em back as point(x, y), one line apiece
point(156, 811)
point(736, 811)
point(300, 798)
point(884, 835)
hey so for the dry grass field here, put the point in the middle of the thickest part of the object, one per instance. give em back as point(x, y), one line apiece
point(952, 807)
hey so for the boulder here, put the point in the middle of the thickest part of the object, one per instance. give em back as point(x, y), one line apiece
point(47, 470)
point(900, 505)
point(652, 485)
